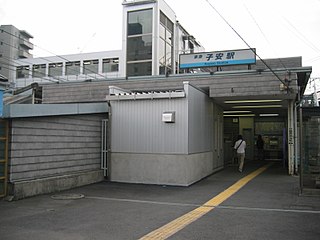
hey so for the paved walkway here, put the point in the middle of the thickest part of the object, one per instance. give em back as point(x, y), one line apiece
point(259, 203)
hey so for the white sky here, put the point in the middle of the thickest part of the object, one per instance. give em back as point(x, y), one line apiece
point(276, 28)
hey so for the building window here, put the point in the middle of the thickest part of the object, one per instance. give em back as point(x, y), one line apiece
point(55, 69)
point(165, 45)
point(139, 48)
point(139, 43)
point(110, 65)
point(91, 66)
point(22, 72)
point(38, 70)
point(139, 69)
point(72, 68)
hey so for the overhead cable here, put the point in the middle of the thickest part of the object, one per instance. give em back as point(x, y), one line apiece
point(252, 49)
point(65, 59)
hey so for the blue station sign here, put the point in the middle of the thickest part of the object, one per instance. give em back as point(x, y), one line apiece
point(218, 58)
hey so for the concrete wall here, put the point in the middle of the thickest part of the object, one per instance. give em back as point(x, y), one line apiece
point(164, 169)
point(48, 149)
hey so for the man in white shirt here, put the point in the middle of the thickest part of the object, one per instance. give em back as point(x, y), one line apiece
point(240, 146)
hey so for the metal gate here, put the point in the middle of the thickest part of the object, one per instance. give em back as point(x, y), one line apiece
point(104, 147)
point(3, 157)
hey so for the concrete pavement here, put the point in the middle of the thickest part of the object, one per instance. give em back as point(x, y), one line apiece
point(267, 207)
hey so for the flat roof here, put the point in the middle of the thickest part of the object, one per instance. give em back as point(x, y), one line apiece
point(42, 110)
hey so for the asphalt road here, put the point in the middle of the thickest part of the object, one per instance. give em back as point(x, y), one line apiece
point(267, 207)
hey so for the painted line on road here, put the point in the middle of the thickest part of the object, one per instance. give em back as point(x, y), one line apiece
point(176, 225)
point(199, 205)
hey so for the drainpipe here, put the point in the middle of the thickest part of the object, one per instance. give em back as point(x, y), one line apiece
point(109, 142)
point(300, 142)
point(296, 140)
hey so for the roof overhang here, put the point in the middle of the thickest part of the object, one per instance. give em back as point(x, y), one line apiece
point(43, 110)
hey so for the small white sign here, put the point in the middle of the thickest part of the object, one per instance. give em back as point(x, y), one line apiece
point(168, 117)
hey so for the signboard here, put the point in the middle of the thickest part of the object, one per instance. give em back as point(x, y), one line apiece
point(218, 59)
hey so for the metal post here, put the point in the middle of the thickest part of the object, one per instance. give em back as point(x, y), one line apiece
point(290, 138)
point(300, 143)
point(296, 140)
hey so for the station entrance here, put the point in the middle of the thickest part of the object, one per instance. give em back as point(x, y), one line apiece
point(275, 119)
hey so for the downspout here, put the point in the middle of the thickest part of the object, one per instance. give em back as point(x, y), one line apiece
point(109, 142)
point(300, 142)
point(296, 140)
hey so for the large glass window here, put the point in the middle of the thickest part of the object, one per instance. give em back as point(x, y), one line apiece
point(165, 45)
point(22, 72)
point(90, 66)
point(55, 69)
point(39, 70)
point(139, 48)
point(110, 65)
point(139, 43)
point(140, 22)
point(72, 68)
point(139, 69)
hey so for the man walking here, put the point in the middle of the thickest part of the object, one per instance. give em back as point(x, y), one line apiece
point(240, 146)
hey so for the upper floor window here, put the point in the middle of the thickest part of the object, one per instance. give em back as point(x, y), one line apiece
point(72, 68)
point(139, 42)
point(110, 65)
point(140, 22)
point(90, 66)
point(22, 72)
point(55, 69)
point(165, 45)
point(38, 70)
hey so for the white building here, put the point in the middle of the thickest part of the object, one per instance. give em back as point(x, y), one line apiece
point(152, 41)
point(14, 44)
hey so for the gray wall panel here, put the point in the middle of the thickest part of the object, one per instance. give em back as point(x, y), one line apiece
point(137, 126)
point(57, 145)
point(200, 117)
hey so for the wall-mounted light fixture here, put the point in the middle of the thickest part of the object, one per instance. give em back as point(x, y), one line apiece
point(257, 106)
point(252, 101)
point(269, 114)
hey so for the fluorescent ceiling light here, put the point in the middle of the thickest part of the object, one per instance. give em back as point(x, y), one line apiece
point(258, 106)
point(268, 114)
point(244, 111)
point(253, 101)
point(239, 115)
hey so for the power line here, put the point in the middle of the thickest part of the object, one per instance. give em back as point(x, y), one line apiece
point(29, 74)
point(21, 60)
point(2, 30)
point(252, 49)
point(265, 37)
point(302, 37)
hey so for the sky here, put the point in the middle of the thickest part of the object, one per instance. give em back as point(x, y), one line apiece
point(276, 28)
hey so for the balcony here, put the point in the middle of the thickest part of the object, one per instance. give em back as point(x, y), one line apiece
point(25, 43)
point(24, 54)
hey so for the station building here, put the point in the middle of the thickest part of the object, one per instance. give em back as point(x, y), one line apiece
point(147, 114)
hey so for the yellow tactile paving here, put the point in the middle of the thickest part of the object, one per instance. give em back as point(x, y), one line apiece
point(176, 225)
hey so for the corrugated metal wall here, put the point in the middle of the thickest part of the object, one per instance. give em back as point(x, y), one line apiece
point(137, 126)
point(51, 146)
point(200, 117)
